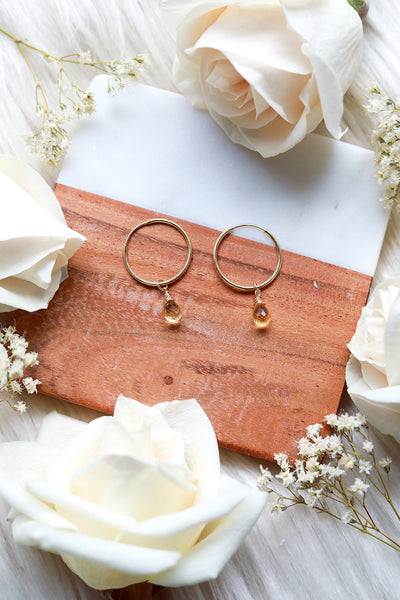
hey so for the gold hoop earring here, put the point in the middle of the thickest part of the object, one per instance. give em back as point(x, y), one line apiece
point(261, 315)
point(172, 311)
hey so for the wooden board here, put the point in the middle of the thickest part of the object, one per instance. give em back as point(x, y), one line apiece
point(104, 334)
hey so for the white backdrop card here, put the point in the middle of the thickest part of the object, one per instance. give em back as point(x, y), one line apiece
point(150, 148)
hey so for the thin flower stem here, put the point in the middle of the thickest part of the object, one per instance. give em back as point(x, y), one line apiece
point(19, 42)
point(38, 84)
point(393, 508)
point(387, 493)
point(368, 513)
point(384, 492)
point(359, 514)
point(9, 35)
point(391, 542)
point(298, 499)
point(388, 541)
point(5, 399)
point(101, 65)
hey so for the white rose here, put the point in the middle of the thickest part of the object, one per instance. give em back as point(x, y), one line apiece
point(35, 242)
point(268, 71)
point(134, 497)
point(373, 371)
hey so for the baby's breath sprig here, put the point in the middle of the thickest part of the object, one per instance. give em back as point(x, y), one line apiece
point(385, 142)
point(332, 475)
point(14, 360)
point(52, 139)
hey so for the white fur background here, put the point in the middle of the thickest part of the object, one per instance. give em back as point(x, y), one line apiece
point(297, 554)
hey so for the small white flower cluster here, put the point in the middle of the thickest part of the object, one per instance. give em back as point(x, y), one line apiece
point(332, 471)
point(386, 145)
point(123, 70)
point(52, 139)
point(14, 359)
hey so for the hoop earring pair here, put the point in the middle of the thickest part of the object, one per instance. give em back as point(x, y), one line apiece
point(172, 311)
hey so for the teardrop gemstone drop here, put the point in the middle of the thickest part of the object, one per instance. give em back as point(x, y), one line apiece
point(172, 312)
point(261, 316)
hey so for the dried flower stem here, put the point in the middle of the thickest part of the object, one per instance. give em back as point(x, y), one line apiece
point(52, 139)
point(333, 471)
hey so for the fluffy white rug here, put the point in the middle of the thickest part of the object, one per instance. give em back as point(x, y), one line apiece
point(294, 555)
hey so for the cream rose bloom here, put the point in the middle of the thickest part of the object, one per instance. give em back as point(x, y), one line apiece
point(134, 497)
point(35, 242)
point(268, 71)
point(373, 371)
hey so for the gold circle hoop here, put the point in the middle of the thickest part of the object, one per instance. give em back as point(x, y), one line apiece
point(247, 288)
point(159, 282)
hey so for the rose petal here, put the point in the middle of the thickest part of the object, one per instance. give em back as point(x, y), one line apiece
point(133, 487)
point(332, 67)
point(87, 517)
point(17, 459)
point(216, 76)
point(208, 557)
point(134, 415)
point(44, 269)
point(280, 89)
point(309, 97)
point(332, 100)
point(32, 183)
point(178, 531)
point(162, 442)
point(381, 406)
point(44, 253)
point(184, 69)
point(100, 437)
point(247, 109)
point(121, 564)
point(372, 376)
point(16, 292)
point(22, 213)
point(278, 136)
point(368, 342)
point(58, 430)
point(392, 344)
point(256, 34)
point(35, 242)
point(200, 443)
point(388, 295)
point(361, 345)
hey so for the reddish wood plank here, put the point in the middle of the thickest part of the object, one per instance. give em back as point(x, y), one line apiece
point(103, 333)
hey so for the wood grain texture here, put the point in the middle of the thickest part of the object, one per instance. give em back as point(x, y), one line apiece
point(104, 334)
point(299, 554)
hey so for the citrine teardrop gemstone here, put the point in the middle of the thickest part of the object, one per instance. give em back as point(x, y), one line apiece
point(261, 316)
point(172, 312)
